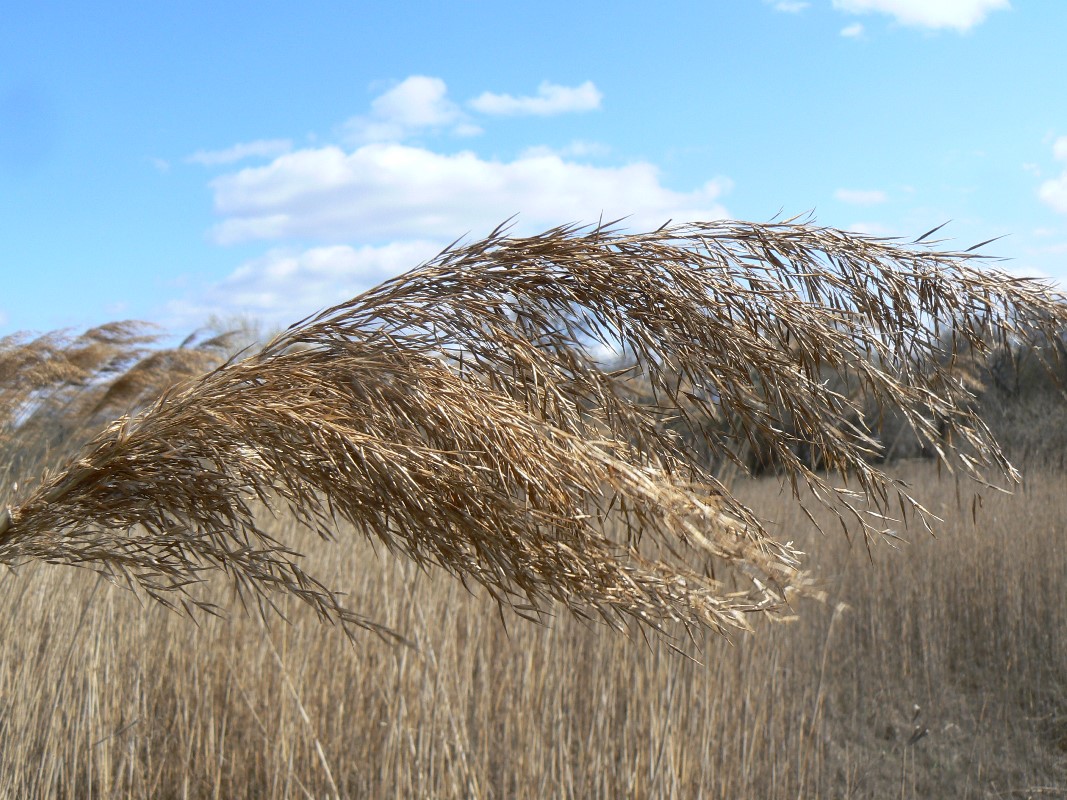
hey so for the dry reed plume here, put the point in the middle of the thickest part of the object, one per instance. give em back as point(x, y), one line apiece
point(463, 415)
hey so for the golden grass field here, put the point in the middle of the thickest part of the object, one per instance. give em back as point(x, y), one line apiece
point(101, 696)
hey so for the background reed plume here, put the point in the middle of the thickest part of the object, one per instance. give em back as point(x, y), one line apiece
point(534, 415)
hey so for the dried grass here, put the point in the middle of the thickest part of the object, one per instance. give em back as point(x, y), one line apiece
point(461, 415)
point(102, 698)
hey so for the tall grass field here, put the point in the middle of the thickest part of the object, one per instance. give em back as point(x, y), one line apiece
point(104, 697)
point(725, 510)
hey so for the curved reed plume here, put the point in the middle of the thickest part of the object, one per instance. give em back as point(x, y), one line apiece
point(463, 415)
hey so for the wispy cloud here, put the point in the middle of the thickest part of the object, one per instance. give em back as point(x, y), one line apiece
point(790, 6)
point(861, 197)
point(1057, 249)
point(387, 190)
point(871, 229)
point(960, 15)
point(853, 31)
point(1053, 192)
point(550, 99)
point(261, 148)
point(576, 149)
point(1059, 149)
point(286, 284)
point(418, 104)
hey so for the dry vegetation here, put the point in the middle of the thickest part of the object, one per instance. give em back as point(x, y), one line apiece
point(462, 416)
point(101, 696)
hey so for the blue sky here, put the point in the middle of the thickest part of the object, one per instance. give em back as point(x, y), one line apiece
point(168, 162)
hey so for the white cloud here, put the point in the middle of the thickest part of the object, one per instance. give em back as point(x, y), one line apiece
point(852, 31)
point(861, 197)
point(261, 148)
point(550, 99)
point(346, 217)
point(1059, 149)
point(416, 104)
point(961, 15)
point(381, 192)
point(285, 285)
point(161, 164)
point(1054, 191)
point(790, 6)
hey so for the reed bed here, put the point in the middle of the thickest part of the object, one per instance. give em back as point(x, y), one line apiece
point(103, 698)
